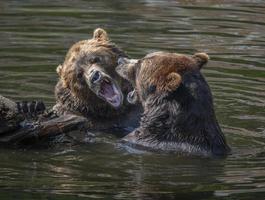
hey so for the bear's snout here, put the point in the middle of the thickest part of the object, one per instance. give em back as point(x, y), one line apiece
point(123, 60)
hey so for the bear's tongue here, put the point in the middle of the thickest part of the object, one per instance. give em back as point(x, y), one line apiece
point(107, 90)
point(110, 93)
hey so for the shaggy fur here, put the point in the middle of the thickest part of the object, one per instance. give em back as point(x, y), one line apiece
point(178, 106)
point(74, 95)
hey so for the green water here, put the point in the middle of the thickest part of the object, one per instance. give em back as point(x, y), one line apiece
point(34, 38)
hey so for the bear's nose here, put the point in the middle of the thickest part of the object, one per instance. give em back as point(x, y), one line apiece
point(122, 60)
point(96, 76)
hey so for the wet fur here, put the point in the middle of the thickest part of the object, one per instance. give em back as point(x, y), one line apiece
point(73, 94)
point(180, 119)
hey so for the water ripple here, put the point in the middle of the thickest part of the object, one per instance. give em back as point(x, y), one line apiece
point(35, 36)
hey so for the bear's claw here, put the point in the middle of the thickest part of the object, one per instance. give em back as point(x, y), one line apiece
point(32, 108)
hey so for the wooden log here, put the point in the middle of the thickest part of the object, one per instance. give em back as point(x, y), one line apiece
point(20, 127)
point(38, 131)
point(9, 115)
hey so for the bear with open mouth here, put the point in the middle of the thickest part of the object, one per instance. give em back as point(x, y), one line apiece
point(89, 85)
point(178, 106)
point(89, 94)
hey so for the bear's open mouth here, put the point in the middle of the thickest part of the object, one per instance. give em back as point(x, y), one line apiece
point(110, 93)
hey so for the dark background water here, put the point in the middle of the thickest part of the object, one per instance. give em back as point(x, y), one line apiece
point(34, 38)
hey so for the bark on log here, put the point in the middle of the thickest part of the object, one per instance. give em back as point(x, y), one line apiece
point(44, 130)
point(16, 128)
point(9, 115)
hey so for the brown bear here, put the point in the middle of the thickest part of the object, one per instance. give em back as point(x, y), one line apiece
point(177, 102)
point(89, 85)
point(89, 95)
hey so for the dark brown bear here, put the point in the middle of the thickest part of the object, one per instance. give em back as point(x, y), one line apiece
point(89, 95)
point(177, 101)
point(89, 85)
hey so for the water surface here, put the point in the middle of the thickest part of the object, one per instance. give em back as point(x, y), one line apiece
point(34, 38)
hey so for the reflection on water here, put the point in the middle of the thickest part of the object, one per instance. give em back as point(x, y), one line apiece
point(35, 36)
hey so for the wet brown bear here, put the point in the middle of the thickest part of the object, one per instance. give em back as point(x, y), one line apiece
point(177, 101)
point(89, 85)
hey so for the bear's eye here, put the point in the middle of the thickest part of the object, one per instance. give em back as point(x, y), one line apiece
point(94, 59)
point(151, 89)
point(79, 75)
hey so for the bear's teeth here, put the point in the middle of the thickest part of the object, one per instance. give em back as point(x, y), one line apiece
point(110, 93)
point(114, 97)
point(107, 80)
point(114, 100)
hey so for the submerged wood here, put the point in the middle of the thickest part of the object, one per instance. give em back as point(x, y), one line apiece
point(38, 131)
point(17, 129)
point(9, 115)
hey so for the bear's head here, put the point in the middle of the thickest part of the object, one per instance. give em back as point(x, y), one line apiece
point(89, 71)
point(157, 72)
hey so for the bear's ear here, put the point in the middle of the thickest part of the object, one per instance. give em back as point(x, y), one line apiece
point(170, 83)
point(100, 35)
point(59, 70)
point(201, 59)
